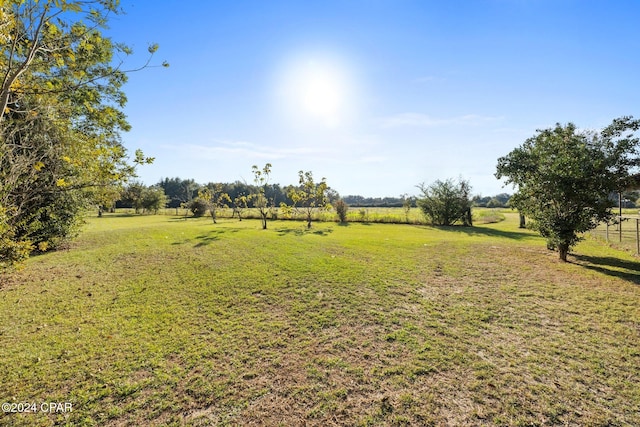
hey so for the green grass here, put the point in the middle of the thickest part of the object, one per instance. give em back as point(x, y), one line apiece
point(158, 320)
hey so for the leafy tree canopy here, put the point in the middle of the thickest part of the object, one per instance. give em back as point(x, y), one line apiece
point(564, 177)
point(61, 117)
point(309, 195)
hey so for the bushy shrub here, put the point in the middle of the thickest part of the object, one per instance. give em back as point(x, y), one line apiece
point(198, 207)
point(341, 208)
point(446, 202)
point(13, 251)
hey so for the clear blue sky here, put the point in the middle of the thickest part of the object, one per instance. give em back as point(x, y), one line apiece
point(377, 96)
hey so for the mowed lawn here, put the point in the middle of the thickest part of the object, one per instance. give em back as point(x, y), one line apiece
point(157, 320)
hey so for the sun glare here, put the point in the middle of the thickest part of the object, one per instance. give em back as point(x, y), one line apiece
point(320, 92)
point(314, 92)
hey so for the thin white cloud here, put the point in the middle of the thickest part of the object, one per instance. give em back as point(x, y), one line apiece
point(425, 120)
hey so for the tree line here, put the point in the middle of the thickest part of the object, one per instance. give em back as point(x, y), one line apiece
point(443, 202)
point(181, 191)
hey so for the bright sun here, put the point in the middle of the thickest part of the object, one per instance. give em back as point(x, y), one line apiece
point(315, 92)
point(320, 92)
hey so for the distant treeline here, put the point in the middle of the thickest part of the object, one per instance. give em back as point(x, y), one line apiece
point(498, 201)
point(371, 202)
point(180, 191)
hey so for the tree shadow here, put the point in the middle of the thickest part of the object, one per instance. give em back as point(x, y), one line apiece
point(116, 215)
point(182, 218)
point(206, 239)
point(484, 231)
point(303, 231)
point(611, 266)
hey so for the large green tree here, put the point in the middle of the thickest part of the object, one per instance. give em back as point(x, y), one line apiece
point(61, 116)
point(565, 177)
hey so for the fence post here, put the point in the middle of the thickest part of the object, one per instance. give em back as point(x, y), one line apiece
point(638, 235)
point(620, 228)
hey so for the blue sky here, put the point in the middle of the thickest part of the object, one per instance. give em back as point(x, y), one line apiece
point(377, 96)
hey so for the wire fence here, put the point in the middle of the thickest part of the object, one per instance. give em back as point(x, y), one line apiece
point(622, 232)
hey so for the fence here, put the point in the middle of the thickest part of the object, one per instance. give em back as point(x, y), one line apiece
point(624, 232)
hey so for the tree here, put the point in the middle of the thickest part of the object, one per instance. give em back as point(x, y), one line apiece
point(56, 47)
point(133, 195)
point(494, 203)
point(240, 203)
point(178, 190)
point(565, 176)
point(407, 202)
point(153, 199)
point(309, 195)
point(215, 199)
point(259, 197)
point(60, 117)
point(446, 202)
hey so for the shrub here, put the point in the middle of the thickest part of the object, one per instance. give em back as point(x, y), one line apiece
point(198, 207)
point(341, 209)
point(446, 202)
point(364, 215)
point(13, 251)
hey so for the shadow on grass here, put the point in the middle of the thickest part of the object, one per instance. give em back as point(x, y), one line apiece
point(484, 231)
point(182, 218)
point(211, 236)
point(116, 215)
point(303, 231)
point(627, 270)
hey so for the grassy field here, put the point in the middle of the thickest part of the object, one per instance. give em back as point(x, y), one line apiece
point(158, 320)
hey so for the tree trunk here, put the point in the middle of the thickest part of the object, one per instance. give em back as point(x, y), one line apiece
point(563, 250)
point(522, 221)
